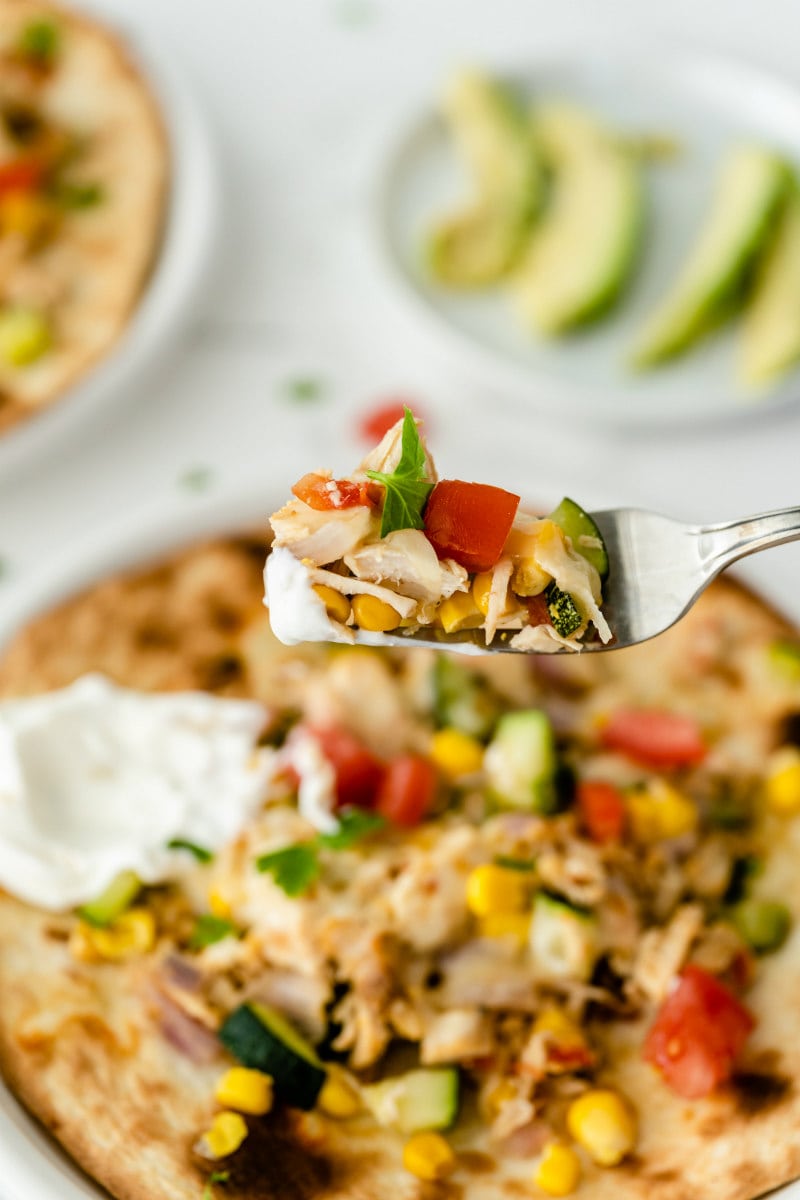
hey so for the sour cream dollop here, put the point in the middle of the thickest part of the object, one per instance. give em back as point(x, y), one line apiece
point(96, 779)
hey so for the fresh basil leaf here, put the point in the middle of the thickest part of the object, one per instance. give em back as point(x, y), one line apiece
point(407, 489)
point(214, 1178)
point(208, 930)
point(304, 389)
point(354, 824)
point(200, 853)
point(515, 864)
point(294, 868)
point(79, 195)
point(39, 42)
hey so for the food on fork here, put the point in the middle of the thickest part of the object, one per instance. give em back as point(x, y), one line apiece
point(392, 548)
point(83, 178)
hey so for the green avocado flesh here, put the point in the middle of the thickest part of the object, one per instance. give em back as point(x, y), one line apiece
point(477, 245)
point(770, 342)
point(750, 186)
point(585, 246)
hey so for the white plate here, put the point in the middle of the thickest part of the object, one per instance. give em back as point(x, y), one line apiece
point(33, 1166)
point(707, 103)
point(183, 258)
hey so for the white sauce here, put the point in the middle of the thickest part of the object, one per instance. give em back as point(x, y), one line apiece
point(96, 779)
point(296, 612)
point(316, 794)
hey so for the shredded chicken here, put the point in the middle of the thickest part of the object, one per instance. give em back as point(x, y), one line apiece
point(662, 952)
point(322, 536)
point(456, 1036)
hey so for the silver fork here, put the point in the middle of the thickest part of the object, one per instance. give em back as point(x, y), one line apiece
point(658, 568)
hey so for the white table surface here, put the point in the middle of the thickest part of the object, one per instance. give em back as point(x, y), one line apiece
point(301, 97)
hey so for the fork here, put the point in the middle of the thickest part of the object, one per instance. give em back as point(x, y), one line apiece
point(658, 568)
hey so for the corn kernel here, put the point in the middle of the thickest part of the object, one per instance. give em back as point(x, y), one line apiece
point(339, 1097)
point(660, 811)
point(604, 1124)
point(219, 905)
point(503, 924)
point(24, 335)
point(558, 1171)
point(493, 889)
point(228, 1131)
point(459, 612)
point(133, 933)
point(374, 615)
point(560, 1027)
point(246, 1091)
point(81, 945)
point(481, 587)
point(26, 214)
point(337, 606)
point(456, 753)
point(428, 1156)
point(782, 784)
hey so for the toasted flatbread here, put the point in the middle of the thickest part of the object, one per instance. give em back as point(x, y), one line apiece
point(84, 1047)
point(86, 273)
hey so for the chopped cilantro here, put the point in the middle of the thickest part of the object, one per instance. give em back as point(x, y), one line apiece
point(197, 479)
point(354, 824)
point(201, 854)
point(304, 389)
point(208, 930)
point(294, 868)
point(406, 487)
point(39, 42)
point(79, 195)
point(515, 864)
point(214, 1178)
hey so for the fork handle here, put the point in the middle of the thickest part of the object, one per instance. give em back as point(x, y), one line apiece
point(723, 544)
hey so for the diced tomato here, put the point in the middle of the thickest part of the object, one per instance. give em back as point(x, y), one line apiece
point(322, 493)
point(408, 790)
point(654, 738)
point(378, 421)
point(601, 808)
point(698, 1034)
point(538, 612)
point(21, 175)
point(358, 772)
point(469, 522)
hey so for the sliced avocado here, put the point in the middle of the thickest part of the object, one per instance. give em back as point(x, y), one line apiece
point(423, 1099)
point(520, 762)
point(771, 329)
point(563, 939)
point(583, 532)
point(479, 244)
point(583, 250)
point(114, 901)
point(261, 1038)
point(751, 184)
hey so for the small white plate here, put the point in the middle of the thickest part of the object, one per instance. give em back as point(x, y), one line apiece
point(183, 259)
point(707, 103)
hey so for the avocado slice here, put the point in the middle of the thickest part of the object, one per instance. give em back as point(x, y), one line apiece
point(583, 251)
point(751, 184)
point(479, 244)
point(771, 330)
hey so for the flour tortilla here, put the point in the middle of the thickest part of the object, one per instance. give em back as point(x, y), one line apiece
point(104, 254)
point(77, 1043)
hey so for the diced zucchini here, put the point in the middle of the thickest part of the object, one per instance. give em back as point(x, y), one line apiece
point(764, 924)
point(520, 762)
point(462, 699)
point(423, 1099)
point(261, 1038)
point(477, 245)
point(563, 939)
point(751, 185)
point(583, 533)
point(564, 612)
point(118, 896)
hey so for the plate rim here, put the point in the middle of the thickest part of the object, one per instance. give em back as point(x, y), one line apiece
point(496, 370)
